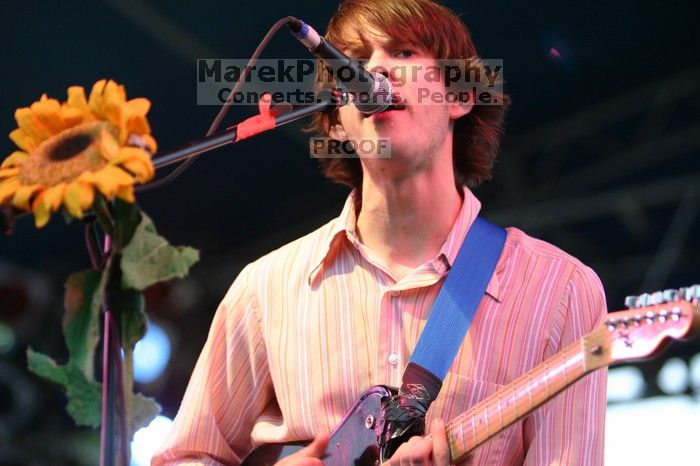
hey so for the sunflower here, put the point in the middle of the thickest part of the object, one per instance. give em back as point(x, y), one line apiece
point(69, 150)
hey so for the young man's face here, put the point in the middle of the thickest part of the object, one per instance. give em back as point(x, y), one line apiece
point(419, 129)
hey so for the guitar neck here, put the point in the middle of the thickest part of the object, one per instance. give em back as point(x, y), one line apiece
point(514, 401)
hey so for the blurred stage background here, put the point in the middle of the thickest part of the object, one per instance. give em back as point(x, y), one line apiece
point(601, 157)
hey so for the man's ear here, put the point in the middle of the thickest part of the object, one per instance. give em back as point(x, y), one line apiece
point(338, 132)
point(459, 109)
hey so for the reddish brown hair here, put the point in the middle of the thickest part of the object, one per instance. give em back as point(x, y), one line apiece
point(435, 28)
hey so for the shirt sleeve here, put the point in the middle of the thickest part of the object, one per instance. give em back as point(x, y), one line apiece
point(229, 388)
point(570, 429)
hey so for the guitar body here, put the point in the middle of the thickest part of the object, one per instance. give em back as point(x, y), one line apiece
point(352, 443)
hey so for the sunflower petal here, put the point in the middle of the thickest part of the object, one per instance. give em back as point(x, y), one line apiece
point(23, 140)
point(108, 179)
point(78, 198)
point(53, 196)
point(109, 147)
point(130, 152)
point(135, 115)
point(126, 193)
point(42, 211)
point(76, 100)
point(14, 159)
point(8, 188)
point(143, 171)
point(151, 143)
point(107, 99)
point(134, 124)
point(8, 172)
point(30, 125)
point(23, 195)
point(87, 197)
point(114, 94)
point(76, 97)
point(96, 92)
point(70, 116)
point(48, 113)
point(139, 105)
point(95, 100)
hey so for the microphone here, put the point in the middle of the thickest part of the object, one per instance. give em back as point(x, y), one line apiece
point(374, 88)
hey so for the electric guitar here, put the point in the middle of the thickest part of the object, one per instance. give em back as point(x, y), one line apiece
point(625, 335)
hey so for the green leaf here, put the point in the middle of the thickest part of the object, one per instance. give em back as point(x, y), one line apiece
point(127, 218)
point(81, 330)
point(81, 321)
point(149, 259)
point(142, 411)
point(129, 306)
point(84, 397)
point(84, 394)
point(44, 366)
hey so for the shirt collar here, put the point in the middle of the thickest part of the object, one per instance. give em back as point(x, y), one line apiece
point(344, 227)
point(340, 227)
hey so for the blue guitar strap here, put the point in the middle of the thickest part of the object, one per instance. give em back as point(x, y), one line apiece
point(456, 304)
point(403, 415)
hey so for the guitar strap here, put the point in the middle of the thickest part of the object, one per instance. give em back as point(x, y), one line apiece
point(453, 311)
point(456, 304)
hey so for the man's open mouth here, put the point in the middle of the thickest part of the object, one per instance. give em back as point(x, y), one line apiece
point(396, 104)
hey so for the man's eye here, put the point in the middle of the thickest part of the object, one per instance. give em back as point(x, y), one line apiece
point(406, 53)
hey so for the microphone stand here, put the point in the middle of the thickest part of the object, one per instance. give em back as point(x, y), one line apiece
point(191, 149)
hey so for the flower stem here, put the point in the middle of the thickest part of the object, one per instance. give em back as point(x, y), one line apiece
point(103, 212)
point(114, 448)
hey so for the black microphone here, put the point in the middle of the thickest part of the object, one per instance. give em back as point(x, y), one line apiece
point(373, 91)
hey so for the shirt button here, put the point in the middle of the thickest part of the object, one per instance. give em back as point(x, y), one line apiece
point(393, 359)
point(395, 293)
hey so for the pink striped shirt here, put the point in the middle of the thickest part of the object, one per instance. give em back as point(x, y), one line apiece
point(304, 330)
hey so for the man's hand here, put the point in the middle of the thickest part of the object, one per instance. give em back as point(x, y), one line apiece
point(431, 450)
point(308, 456)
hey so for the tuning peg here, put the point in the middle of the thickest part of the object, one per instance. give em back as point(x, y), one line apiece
point(661, 297)
point(689, 293)
point(696, 291)
point(645, 300)
point(631, 301)
point(671, 295)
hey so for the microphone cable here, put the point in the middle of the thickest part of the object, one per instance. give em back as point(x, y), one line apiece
point(216, 123)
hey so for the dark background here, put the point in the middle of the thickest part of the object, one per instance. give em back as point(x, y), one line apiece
point(600, 157)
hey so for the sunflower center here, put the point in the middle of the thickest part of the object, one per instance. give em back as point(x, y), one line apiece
point(65, 156)
point(70, 147)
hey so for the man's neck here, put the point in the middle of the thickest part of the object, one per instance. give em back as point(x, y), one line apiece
point(406, 221)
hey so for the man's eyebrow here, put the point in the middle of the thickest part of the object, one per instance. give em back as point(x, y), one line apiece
point(359, 51)
point(402, 44)
point(356, 50)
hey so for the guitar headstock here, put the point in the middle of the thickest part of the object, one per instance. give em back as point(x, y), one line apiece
point(652, 318)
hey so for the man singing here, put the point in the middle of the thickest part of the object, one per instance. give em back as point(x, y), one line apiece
point(304, 330)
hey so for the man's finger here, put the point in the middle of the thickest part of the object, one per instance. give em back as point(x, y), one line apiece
point(441, 448)
point(317, 448)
